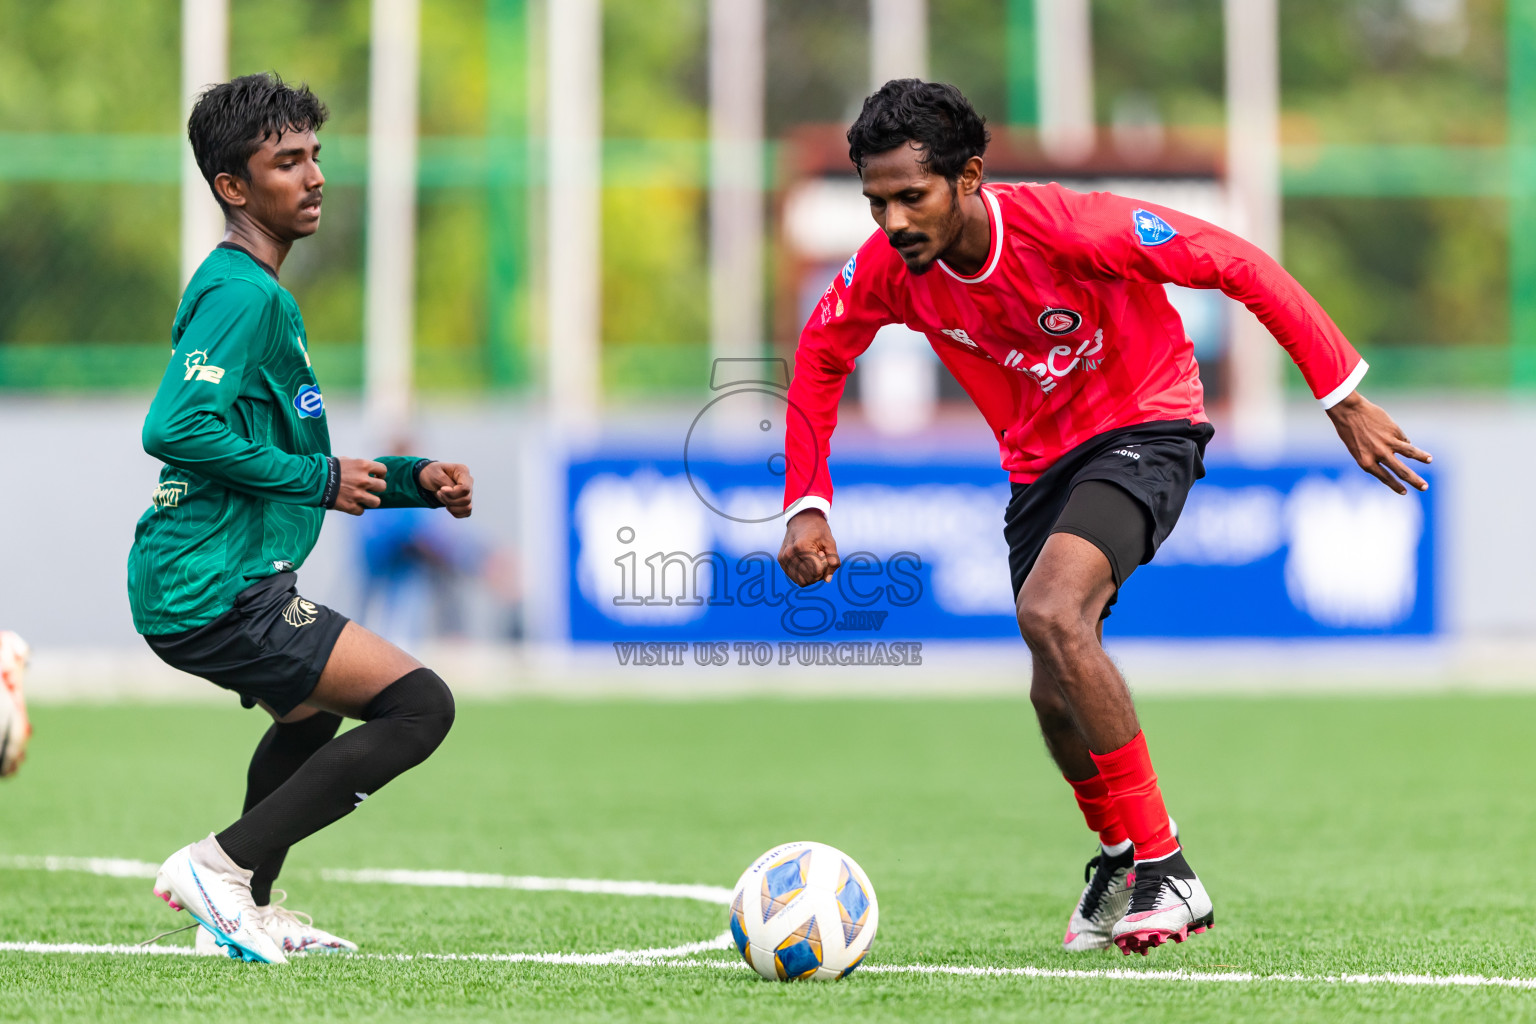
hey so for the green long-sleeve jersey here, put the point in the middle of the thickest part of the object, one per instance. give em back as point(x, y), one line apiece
point(239, 421)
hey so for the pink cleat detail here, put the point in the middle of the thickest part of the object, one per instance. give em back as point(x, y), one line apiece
point(1148, 939)
point(1143, 915)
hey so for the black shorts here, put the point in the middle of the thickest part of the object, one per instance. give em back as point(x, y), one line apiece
point(270, 647)
point(1152, 467)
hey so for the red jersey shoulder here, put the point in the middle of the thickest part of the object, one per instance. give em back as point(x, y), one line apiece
point(1039, 211)
point(864, 281)
point(873, 264)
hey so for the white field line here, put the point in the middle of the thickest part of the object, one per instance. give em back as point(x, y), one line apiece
point(117, 868)
point(668, 956)
point(112, 867)
point(1122, 974)
point(617, 956)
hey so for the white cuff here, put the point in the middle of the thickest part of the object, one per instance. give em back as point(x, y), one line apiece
point(809, 501)
point(1344, 390)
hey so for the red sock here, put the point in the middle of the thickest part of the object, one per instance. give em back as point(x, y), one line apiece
point(1099, 809)
point(1132, 785)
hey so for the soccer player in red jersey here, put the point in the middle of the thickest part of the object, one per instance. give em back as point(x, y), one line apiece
point(1048, 307)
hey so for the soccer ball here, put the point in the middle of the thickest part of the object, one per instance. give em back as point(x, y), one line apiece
point(804, 910)
point(15, 729)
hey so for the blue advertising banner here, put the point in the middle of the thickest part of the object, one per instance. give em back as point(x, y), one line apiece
point(664, 550)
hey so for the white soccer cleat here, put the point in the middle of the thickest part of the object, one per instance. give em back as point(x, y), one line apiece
point(1167, 902)
point(15, 727)
point(1102, 903)
point(202, 880)
point(293, 931)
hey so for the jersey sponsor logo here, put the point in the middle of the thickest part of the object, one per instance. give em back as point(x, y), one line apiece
point(1150, 228)
point(169, 493)
point(1056, 320)
point(309, 402)
point(198, 368)
point(848, 269)
point(1048, 373)
point(960, 336)
point(282, 565)
point(299, 612)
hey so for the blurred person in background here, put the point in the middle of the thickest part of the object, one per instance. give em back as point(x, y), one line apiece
point(413, 572)
point(1048, 307)
point(239, 423)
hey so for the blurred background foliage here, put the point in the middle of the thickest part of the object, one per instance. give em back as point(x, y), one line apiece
point(90, 113)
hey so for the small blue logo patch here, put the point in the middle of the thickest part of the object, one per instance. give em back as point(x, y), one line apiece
point(1150, 228)
point(309, 402)
point(848, 269)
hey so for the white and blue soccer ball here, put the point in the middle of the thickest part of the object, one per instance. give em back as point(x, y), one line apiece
point(804, 911)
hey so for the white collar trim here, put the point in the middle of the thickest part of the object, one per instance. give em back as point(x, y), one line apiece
point(997, 244)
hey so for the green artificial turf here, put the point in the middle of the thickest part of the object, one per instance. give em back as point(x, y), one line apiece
point(1335, 835)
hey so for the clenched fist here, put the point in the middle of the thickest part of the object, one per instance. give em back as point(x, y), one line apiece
point(809, 554)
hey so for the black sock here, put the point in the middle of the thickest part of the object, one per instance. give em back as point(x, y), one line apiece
point(402, 725)
point(281, 751)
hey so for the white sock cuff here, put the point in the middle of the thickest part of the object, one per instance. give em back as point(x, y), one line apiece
point(1117, 849)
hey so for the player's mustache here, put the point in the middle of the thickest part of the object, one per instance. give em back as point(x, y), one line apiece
point(313, 197)
point(904, 238)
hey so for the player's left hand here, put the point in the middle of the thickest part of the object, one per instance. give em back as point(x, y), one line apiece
point(452, 485)
point(1376, 441)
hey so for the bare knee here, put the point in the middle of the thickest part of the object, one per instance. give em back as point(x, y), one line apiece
point(1050, 625)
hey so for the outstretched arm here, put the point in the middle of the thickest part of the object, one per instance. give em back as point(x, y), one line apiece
point(1111, 236)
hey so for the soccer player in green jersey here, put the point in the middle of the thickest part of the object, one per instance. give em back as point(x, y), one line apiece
point(239, 422)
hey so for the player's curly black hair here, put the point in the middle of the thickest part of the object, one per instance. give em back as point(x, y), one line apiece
point(230, 121)
point(935, 115)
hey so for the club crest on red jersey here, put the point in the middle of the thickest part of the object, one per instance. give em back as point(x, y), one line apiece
point(1150, 228)
point(1057, 321)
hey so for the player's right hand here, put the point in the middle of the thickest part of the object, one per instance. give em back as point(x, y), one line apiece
point(809, 554)
point(362, 480)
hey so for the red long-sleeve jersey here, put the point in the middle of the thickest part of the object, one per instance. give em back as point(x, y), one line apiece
point(1064, 334)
